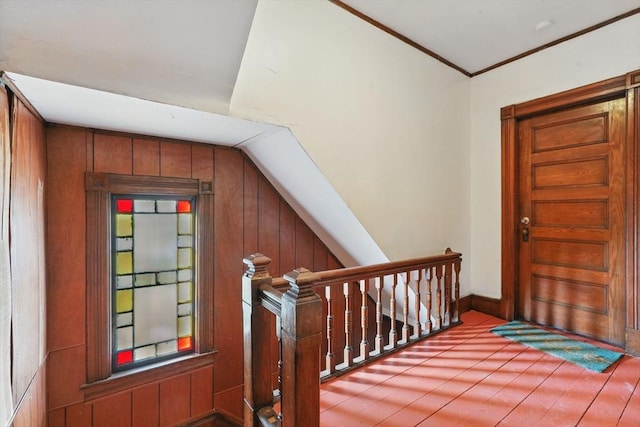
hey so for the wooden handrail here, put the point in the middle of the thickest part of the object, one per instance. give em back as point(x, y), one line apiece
point(348, 274)
point(348, 296)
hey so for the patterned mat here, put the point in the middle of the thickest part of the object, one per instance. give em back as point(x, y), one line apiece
point(582, 354)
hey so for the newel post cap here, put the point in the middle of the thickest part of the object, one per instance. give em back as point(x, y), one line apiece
point(256, 265)
point(301, 281)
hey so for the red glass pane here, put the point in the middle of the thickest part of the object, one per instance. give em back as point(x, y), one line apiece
point(184, 343)
point(124, 205)
point(124, 357)
point(184, 206)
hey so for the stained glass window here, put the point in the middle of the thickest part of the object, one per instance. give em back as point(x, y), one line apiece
point(152, 279)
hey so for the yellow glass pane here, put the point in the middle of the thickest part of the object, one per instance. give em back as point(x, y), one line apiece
point(124, 301)
point(124, 225)
point(124, 263)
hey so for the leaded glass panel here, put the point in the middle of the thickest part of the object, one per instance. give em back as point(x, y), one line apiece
point(153, 299)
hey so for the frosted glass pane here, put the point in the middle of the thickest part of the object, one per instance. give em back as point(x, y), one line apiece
point(184, 224)
point(144, 205)
point(184, 292)
point(123, 225)
point(124, 319)
point(155, 309)
point(123, 282)
point(167, 277)
point(167, 347)
point(184, 257)
point(124, 244)
point(144, 352)
point(184, 275)
point(168, 206)
point(145, 279)
point(155, 242)
point(184, 309)
point(185, 241)
point(123, 263)
point(184, 326)
point(125, 338)
point(123, 301)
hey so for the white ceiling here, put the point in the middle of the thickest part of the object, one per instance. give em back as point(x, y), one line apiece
point(188, 53)
point(476, 34)
point(184, 53)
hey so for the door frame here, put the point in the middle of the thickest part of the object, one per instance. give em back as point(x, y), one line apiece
point(625, 86)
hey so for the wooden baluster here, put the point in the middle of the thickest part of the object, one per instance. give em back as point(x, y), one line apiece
point(417, 327)
point(348, 324)
point(447, 293)
point(379, 325)
point(279, 336)
point(258, 391)
point(438, 306)
point(457, 290)
point(393, 335)
point(405, 309)
point(364, 320)
point(428, 276)
point(330, 357)
point(301, 339)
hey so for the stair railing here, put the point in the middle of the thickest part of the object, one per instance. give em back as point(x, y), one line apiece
point(350, 316)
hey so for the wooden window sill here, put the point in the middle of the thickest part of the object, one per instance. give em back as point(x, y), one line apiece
point(137, 377)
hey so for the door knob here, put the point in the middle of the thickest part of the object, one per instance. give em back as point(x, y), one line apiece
point(525, 220)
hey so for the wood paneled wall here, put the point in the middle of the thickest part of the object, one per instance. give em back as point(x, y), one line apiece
point(249, 216)
point(27, 223)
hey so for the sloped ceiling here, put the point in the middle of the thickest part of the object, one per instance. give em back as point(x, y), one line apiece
point(184, 53)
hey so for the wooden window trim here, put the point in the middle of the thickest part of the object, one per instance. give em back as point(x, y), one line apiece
point(99, 188)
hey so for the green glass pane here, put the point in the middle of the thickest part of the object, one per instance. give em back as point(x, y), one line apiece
point(167, 277)
point(123, 282)
point(184, 257)
point(184, 224)
point(144, 352)
point(184, 275)
point(166, 206)
point(124, 319)
point(184, 326)
point(124, 263)
point(167, 347)
point(124, 225)
point(185, 241)
point(184, 292)
point(124, 301)
point(144, 206)
point(184, 309)
point(145, 279)
point(125, 338)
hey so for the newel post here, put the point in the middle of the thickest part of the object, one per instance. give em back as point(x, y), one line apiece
point(258, 391)
point(301, 339)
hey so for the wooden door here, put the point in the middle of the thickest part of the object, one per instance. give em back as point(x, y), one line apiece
point(572, 210)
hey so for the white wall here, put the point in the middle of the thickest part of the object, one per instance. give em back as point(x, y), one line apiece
point(608, 52)
point(386, 124)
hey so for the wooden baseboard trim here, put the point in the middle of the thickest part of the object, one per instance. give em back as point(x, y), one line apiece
point(633, 342)
point(486, 305)
point(479, 303)
point(465, 304)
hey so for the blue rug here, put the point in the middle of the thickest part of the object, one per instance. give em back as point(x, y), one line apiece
point(582, 354)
